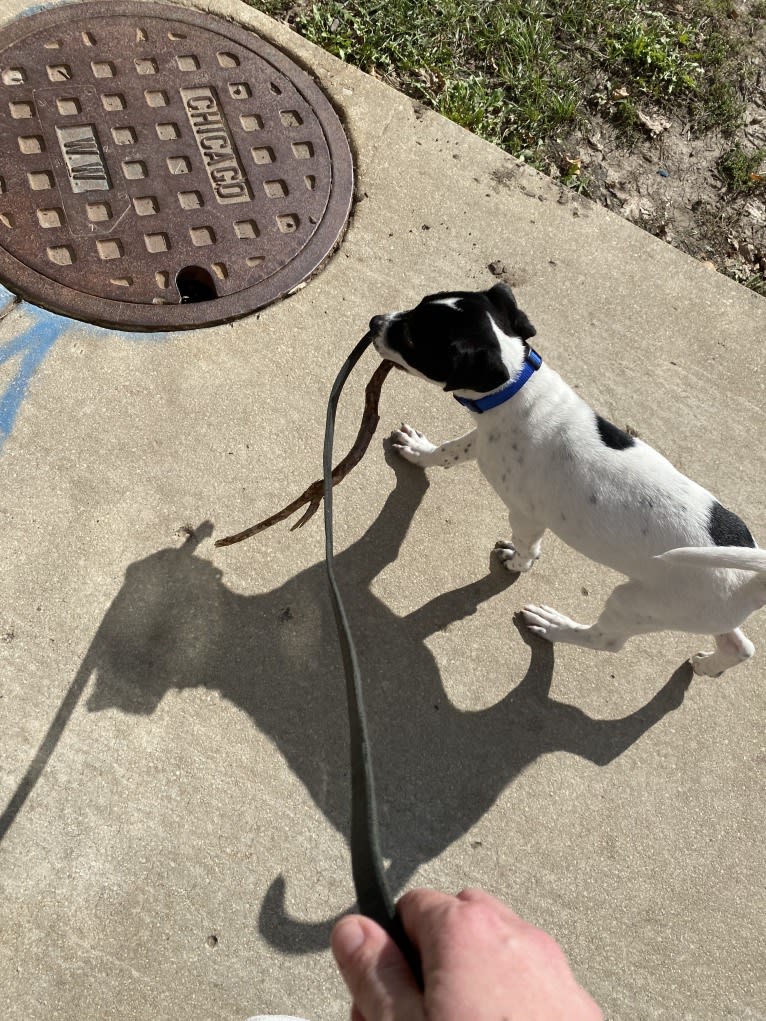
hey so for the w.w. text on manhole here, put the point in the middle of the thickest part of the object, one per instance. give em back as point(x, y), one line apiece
point(84, 158)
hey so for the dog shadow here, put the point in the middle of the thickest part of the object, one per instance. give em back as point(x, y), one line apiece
point(174, 624)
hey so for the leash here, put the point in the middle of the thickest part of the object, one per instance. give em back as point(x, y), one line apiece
point(372, 894)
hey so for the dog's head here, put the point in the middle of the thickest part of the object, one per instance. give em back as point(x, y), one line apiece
point(455, 338)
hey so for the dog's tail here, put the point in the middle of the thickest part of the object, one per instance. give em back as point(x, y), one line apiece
point(740, 558)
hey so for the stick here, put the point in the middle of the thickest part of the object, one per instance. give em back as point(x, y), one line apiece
point(313, 495)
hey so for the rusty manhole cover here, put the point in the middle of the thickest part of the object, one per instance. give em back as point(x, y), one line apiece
point(161, 168)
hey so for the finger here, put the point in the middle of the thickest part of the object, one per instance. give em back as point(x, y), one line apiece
point(425, 916)
point(378, 977)
point(420, 909)
point(438, 923)
point(472, 895)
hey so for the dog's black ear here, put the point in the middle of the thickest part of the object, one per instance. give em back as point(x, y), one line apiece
point(502, 297)
point(511, 318)
point(480, 369)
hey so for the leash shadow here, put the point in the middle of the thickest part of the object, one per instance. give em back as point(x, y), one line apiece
point(174, 624)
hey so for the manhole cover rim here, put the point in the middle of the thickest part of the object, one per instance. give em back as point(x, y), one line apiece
point(63, 299)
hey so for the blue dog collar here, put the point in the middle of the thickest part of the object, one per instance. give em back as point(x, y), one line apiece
point(532, 363)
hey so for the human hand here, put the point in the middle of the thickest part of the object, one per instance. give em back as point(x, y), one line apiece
point(480, 961)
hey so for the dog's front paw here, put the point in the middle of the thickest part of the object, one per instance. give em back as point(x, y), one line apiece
point(412, 445)
point(509, 556)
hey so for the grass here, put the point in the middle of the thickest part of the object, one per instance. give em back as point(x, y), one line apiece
point(523, 75)
point(492, 67)
point(743, 171)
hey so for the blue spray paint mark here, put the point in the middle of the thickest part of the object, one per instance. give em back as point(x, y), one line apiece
point(33, 345)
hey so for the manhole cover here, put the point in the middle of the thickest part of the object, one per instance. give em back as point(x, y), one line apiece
point(161, 168)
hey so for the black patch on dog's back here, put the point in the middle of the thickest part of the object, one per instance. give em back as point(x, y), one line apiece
point(726, 529)
point(613, 437)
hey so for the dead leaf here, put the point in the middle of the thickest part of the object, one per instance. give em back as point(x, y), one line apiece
point(654, 125)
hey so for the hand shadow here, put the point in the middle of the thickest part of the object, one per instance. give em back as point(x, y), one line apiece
point(174, 624)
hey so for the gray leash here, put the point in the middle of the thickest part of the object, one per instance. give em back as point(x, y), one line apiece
point(372, 894)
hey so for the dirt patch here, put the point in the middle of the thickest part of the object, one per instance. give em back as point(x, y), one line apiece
point(670, 183)
point(701, 191)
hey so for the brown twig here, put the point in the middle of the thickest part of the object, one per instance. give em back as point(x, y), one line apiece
point(315, 492)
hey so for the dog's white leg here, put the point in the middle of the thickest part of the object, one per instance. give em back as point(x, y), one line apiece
point(627, 612)
point(731, 649)
point(414, 447)
point(523, 550)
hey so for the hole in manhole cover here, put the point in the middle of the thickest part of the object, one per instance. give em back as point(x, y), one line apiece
point(161, 168)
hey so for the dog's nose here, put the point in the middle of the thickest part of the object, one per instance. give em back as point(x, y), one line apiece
point(377, 323)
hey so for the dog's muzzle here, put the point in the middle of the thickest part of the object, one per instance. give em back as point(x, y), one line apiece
point(378, 327)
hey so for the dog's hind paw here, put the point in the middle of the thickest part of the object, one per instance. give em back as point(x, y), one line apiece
point(509, 557)
point(731, 649)
point(704, 665)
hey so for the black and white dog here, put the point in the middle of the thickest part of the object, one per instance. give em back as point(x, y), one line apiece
point(692, 565)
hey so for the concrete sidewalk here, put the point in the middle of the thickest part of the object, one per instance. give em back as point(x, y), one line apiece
point(175, 842)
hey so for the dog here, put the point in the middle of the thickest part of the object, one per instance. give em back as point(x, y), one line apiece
point(691, 564)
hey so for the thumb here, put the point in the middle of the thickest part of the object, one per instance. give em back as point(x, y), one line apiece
point(378, 977)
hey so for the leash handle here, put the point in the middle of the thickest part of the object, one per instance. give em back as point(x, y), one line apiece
point(372, 894)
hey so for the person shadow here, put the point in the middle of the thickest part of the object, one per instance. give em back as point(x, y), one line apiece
point(174, 624)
